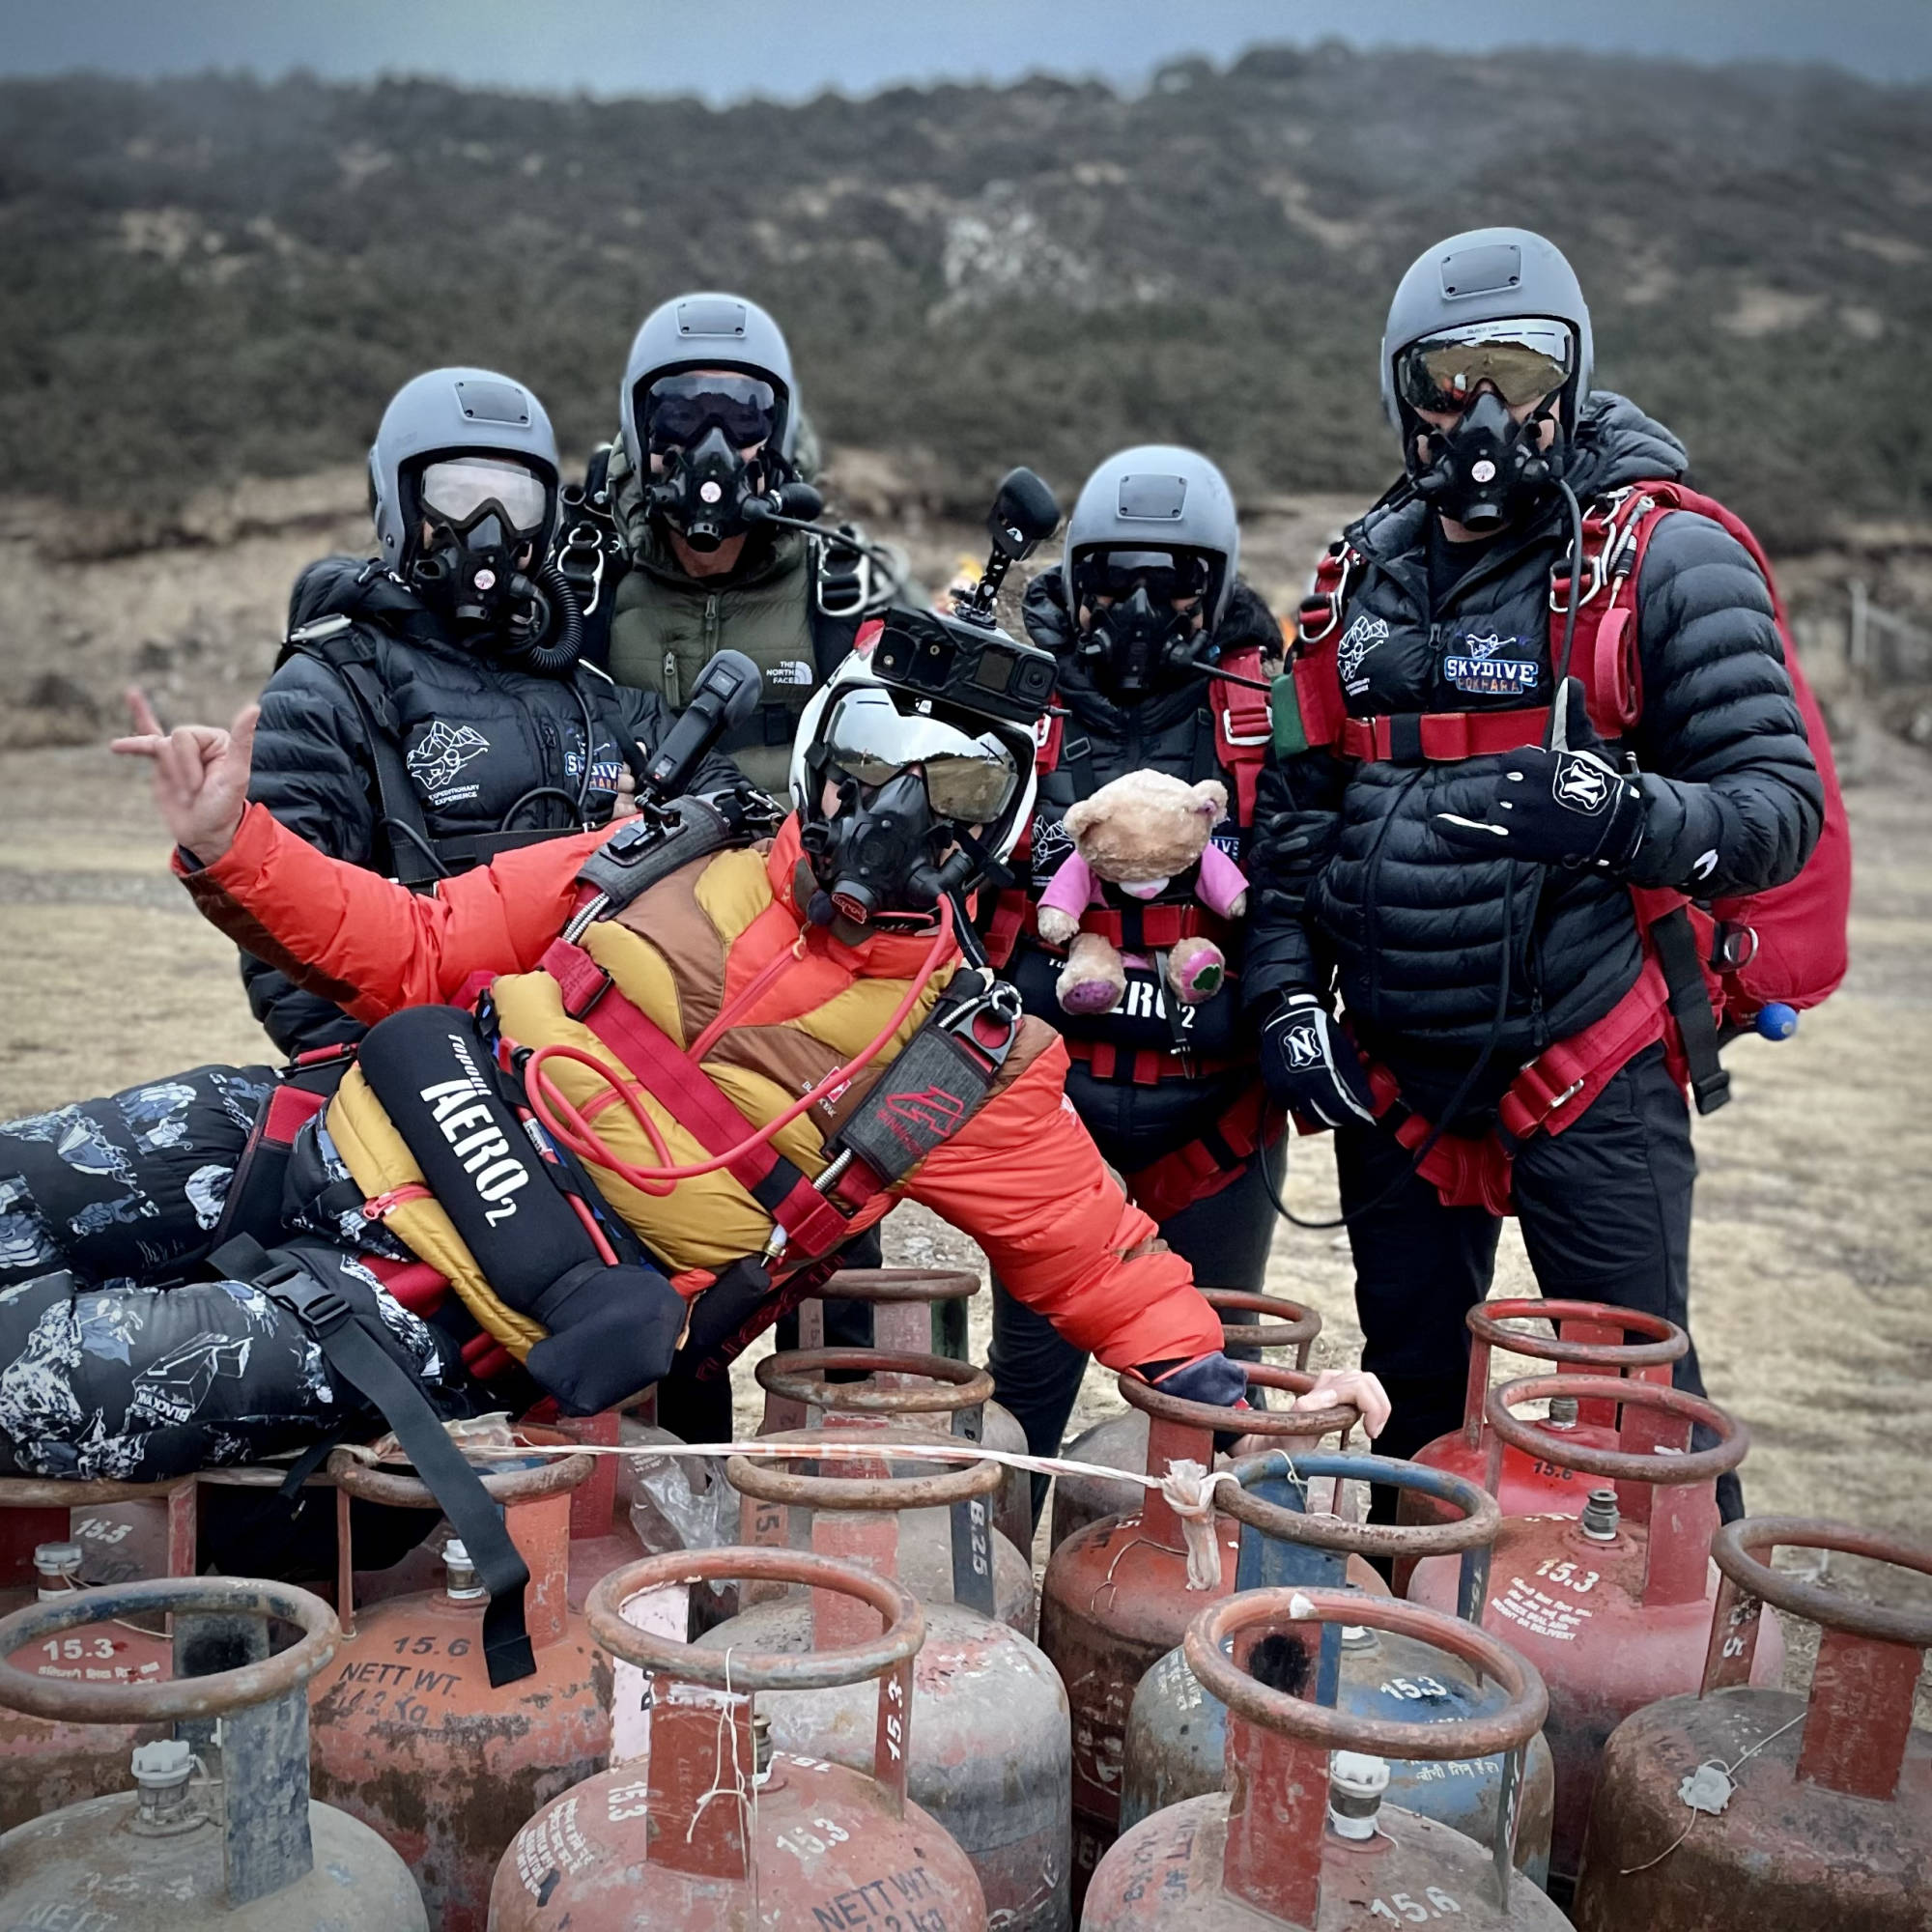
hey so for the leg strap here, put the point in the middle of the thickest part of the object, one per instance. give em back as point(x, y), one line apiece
point(352, 1351)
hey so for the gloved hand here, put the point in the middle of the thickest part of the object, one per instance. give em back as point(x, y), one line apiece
point(1569, 807)
point(612, 1332)
point(1310, 1065)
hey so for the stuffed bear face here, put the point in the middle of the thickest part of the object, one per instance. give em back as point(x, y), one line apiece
point(1145, 827)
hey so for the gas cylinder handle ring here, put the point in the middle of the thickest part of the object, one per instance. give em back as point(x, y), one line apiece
point(738, 1669)
point(900, 1285)
point(1302, 1424)
point(1741, 1551)
point(1284, 1610)
point(1667, 1341)
point(1294, 1327)
point(172, 1699)
point(765, 1483)
point(373, 1483)
point(1478, 1521)
point(799, 1375)
point(1692, 1465)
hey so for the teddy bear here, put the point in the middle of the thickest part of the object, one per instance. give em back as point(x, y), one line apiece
point(1136, 835)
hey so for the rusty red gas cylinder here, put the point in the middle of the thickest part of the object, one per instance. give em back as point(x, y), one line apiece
point(1746, 1809)
point(1177, 1732)
point(921, 1395)
point(1116, 1596)
point(49, 1763)
point(1589, 1339)
point(410, 1737)
point(1613, 1606)
point(717, 1830)
point(1303, 1835)
point(1120, 1442)
point(991, 1752)
point(217, 1829)
point(920, 1312)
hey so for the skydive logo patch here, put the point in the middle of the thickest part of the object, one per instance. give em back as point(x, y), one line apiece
point(466, 1117)
point(1481, 669)
point(441, 753)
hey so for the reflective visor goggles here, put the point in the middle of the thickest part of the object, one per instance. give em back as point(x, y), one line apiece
point(1168, 576)
point(457, 487)
point(1523, 360)
point(678, 410)
point(870, 740)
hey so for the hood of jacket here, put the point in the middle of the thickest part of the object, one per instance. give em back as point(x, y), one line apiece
point(361, 589)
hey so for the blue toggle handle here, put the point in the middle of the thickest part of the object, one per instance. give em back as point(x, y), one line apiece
point(1776, 1021)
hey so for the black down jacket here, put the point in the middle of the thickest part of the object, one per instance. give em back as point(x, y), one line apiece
point(1352, 875)
point(1170, 732)
point(475, 737)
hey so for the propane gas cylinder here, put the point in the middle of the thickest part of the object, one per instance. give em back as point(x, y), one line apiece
point(1613, 1606)
point(1743, 1808)
point(992, 1754)
point(1116, 1595)
point(924, 1394)
point(1120, 1442)
point(48, 1763)
point(409, 1735)
point(917, 1312)
point(1177, 1732)
point(715, 1830)
point(1589, 1339)
point(1304, 1840)
point(220, 1828)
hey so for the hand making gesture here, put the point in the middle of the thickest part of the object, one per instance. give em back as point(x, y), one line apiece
point(201, 774)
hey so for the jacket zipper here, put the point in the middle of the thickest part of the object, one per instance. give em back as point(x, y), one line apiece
point(672, 682)
point(711, 627)
point(728, 1017)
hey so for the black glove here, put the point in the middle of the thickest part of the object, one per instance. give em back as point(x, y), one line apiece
point(1571, 807)
point(612, 1332)
point(1310, 1065)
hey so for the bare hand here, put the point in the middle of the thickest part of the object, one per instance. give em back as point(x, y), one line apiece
point(1333, 1389)
point(625, 805)
point(201, 774)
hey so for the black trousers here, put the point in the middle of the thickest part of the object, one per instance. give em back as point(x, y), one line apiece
point(1604, 1209)
point(1224, 1238)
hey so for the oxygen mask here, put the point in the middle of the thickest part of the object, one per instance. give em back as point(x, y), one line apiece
point(487, 520)
point(1144, 629)
point(709, 429)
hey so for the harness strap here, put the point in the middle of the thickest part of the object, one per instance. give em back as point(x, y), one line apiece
point(1143, 1066)
point(354, 1352)
point(1242, 731)
point(1442, 737)
point(1152, 928)
point(693, 1099)
point(1674, 946)
point(1207, 1165)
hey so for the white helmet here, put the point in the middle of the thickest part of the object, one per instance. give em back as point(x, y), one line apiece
point(913, 773)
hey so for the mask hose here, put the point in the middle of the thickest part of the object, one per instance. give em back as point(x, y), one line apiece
point(573, 1126)
point(556, 610)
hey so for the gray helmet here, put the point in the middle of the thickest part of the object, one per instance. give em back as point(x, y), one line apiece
point(1154, 495)
point(707, 331)
point(474, 410)
point(1485, 275)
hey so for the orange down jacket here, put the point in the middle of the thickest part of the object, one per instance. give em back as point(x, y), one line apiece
point(1022, 1179)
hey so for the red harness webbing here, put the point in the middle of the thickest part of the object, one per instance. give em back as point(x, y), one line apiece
point(1203, 1166)
point(1145, 1066)
point(811, 1224)
point(1443, 737)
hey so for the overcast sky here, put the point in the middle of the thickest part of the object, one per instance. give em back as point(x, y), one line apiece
point(725, 50)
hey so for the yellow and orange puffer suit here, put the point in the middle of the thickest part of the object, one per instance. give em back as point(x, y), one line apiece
point(719, 956)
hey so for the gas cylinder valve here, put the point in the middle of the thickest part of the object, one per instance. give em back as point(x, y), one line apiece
point(1600, 1516)
point(1356, 1783)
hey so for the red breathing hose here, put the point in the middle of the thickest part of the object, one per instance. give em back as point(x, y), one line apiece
point(573, 1127)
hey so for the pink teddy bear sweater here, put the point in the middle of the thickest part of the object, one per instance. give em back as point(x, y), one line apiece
point(1074, 885)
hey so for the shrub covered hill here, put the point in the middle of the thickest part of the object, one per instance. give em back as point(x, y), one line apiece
point(211, 278)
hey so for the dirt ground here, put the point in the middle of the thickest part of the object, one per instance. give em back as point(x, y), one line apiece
point(1812, 1293)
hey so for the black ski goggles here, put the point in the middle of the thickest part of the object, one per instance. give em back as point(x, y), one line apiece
point(1167, 576)
point(456, 490)
point(969, 778)
point(1522, 360)
point(678, 410)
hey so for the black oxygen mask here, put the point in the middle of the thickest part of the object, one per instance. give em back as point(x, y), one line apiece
point(703, 494)
point(1135, 646)
point(474, 577)
point(1486, 469)
point(878, 853)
